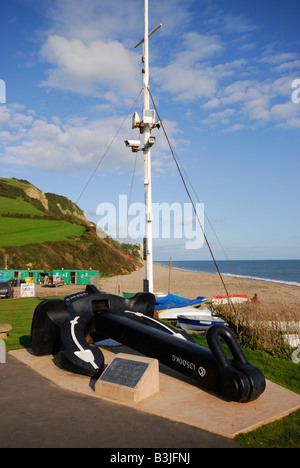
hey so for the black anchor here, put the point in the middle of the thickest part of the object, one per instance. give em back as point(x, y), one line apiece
point(64, 325)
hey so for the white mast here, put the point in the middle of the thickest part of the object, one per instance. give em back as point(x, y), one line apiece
point(146, 125)
point(147, 162)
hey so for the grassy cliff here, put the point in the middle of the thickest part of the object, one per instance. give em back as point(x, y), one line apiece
point(45, 231)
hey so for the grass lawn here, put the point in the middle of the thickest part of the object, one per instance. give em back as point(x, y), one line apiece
point(280, 371)
point(17, 232)
point(17, 206)
point(19, 313)
point(283, 433)
point(280, 434)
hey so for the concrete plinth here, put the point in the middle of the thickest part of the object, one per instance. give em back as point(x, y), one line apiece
point(129, 379)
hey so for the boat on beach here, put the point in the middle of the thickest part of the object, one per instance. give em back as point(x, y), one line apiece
point(234, 298)
point(172, 314)
point(172, 301)
point(198, 322)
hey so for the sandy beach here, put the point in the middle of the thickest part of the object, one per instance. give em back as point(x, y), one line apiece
point(191, 284)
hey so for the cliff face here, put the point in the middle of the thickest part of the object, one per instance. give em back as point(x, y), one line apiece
point(33, 192)
point(20, 201)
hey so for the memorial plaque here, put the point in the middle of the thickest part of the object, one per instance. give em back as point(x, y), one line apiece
point(125, 372)
point(129, 379)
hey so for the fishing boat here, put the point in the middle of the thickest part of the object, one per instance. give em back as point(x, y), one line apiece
point(235, 298)
point(198, 322)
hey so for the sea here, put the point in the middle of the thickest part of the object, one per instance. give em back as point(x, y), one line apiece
point(277, 271)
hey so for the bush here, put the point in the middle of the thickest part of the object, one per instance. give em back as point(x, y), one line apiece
point(261, 327)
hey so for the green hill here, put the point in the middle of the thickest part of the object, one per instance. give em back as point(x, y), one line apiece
point(19, 232)
point(46, 231)
point(17, 206)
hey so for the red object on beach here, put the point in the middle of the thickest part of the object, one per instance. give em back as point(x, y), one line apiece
point(232, 298)
point(233, 295)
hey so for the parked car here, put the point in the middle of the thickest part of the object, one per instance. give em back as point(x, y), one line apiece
point(16, 282)
point(6, 290)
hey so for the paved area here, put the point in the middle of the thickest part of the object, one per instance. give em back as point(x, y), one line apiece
point(180, 415)
point(36, 413)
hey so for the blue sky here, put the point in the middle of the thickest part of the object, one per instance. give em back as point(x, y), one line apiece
point(221, 76)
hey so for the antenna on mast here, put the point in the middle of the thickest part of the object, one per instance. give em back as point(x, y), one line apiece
point(146, 125)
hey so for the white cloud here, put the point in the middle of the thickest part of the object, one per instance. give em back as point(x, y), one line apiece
point(65, 148)
point(88, 48)
point(254, 102)
point(4, 114)
point(185, 84)
point(235, 128)
point(278, 58)
point(185, 77)
point(287, 66)
point(229, 23)
point(92, 69)
point(237, 24)
point(91, 20)
point(115, 20)
point(89, 45)
point(77, 144)
point(289, 113)
point(217, 118)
